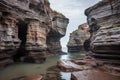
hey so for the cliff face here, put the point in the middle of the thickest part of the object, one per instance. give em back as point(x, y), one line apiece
point(58, 30)
point(27, 27)
point(77, 38)
point(104, 21)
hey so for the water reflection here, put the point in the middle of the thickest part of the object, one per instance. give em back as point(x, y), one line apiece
point(65, 75)
point(65, 57)
point(21, 69)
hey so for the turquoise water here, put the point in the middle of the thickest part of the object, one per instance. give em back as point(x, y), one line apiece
point(21, 69)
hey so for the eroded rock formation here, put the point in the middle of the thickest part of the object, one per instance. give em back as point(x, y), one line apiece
point(77, 38)
point(28, 28)
point(104, 21)
point(58, 30)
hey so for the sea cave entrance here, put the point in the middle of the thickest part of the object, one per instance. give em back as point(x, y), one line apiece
point(22, 34)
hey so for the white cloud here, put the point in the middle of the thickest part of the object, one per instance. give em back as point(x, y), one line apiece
point(74, 10)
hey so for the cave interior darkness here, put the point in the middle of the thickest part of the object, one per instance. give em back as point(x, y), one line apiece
point(22, 34)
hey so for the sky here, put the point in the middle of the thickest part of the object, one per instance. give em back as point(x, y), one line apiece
point(74, 10)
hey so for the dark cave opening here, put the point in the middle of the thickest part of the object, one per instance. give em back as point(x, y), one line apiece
point(22, 34)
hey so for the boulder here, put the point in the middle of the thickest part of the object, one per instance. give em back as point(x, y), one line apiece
point(92, 75)
point(68, 66)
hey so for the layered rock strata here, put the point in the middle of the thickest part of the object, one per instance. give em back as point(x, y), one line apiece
point(58, 30)
point(104, 21)
point(27, 27)
point(77, 38)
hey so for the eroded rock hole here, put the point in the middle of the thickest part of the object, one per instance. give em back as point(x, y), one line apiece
point(22, 34)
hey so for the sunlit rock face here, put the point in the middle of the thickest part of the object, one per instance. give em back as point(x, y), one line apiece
point(24, 29)
point(104, 21)
point(77, 38)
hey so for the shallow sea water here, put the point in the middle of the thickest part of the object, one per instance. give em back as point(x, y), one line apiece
point(22, 69)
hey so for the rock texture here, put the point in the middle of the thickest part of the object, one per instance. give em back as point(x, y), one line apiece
point(77, 38)
point(28, 30)
point(30, 77)
point(72, 66)
point(57, 31)
point(92, 75)
point(104, 21)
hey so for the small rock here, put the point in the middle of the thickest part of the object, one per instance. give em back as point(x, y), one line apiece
point(33, 77)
